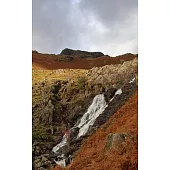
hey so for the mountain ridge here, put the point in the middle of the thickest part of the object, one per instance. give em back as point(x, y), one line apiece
point(76, 60)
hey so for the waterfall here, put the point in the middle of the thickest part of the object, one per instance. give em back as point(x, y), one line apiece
point(96, 108)
point(61, 144)
point(118, 92)
point(61, 163)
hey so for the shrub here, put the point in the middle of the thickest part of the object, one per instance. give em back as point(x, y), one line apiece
point(81, 82)
point(119, 83)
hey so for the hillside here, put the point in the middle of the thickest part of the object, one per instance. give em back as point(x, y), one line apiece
point(114, 146)
point(76, 60)
point(78, 102)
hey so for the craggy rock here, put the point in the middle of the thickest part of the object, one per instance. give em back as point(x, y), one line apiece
point(114, 140)
point(81, 54)
point(109, 94)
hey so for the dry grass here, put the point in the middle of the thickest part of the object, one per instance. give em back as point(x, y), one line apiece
point(60, 74)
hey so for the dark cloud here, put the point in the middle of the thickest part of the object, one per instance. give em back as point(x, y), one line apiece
point(109, 26)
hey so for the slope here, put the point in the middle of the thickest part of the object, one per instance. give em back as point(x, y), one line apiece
point(52, 61)
point(114, 145)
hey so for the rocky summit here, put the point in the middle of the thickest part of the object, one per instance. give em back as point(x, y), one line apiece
point(76, 59)
point(81, 54)
point(74, 109)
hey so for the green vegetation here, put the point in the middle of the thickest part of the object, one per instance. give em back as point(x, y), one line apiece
point(43, 133)
point(81, 82)
point(119, 83)
point(64, 58)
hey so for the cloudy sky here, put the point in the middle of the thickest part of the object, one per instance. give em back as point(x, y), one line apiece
point(109, 26)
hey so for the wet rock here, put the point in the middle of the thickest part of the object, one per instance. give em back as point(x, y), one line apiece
point(42, 168)
point(109, 94)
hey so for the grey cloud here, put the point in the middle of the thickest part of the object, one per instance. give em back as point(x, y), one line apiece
point(109, 26)
point(109, 11)
point(52, 29)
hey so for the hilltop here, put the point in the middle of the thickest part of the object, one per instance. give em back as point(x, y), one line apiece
point(76, 59)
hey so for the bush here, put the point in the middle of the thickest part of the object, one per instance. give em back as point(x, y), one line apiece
point(119, 83)
point(81, 82)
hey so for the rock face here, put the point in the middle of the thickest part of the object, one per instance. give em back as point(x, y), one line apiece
point(58, 105)
point(81, 54)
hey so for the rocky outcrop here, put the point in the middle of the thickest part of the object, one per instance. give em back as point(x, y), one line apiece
point(118, 141)
point(81, 54)
point(110, 75)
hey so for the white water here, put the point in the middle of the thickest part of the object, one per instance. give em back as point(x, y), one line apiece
point(61, 163)
point(118, 92)
point(61, 144)
point(132, 80)
point(96, 108)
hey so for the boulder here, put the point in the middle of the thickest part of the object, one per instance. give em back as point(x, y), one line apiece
point(119, 142)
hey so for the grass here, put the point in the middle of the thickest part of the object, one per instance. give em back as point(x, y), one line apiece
point(43, 80)
point(61, 74)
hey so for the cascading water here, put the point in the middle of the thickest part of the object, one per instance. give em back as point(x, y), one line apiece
point(61, 163)
point(61, 144)
point(95, 109)
point(131, 81)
